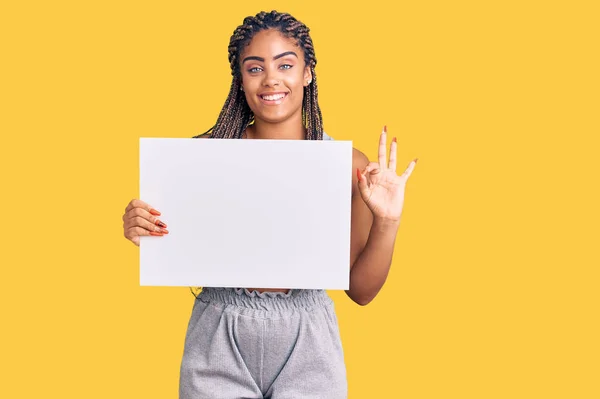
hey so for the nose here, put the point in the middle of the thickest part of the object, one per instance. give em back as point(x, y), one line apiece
point(271, 78)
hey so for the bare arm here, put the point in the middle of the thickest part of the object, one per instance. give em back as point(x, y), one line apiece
point(371, 244)
point(377, 201)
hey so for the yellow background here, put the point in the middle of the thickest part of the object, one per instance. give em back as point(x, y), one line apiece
point(493, 291)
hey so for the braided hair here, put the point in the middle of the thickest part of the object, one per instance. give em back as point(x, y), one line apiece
point(236, 115)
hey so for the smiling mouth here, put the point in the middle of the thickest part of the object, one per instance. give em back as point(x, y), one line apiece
point(272, 99)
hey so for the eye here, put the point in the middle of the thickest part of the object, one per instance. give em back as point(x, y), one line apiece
point(286, 66)
point(255, 69)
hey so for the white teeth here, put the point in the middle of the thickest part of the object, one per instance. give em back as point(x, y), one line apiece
point(274, 97)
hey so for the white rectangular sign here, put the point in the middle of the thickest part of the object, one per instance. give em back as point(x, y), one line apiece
point(247, 213)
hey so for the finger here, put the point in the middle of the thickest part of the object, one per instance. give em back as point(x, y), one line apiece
point(409, 169)
point(393, 150)
point(382, 147)
point(135, 212)
point(372, 168)
point(140, 222)
point(136, 203)
point(133, 232)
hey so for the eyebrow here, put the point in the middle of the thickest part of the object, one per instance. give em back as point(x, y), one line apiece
point(252, 57)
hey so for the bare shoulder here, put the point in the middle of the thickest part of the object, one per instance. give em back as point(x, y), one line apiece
point(359, 160)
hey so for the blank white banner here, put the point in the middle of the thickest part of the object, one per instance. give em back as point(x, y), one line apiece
point(247, 213)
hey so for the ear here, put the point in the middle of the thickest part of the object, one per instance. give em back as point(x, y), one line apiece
point(307, 76)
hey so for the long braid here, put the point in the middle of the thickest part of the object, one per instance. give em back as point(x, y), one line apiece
point(236, 115)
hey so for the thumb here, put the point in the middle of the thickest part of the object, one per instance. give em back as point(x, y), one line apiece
point(363, 185)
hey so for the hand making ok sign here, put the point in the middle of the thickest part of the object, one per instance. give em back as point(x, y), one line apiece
point(380, 187)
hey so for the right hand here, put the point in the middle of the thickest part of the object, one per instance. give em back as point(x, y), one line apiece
point(140, 220)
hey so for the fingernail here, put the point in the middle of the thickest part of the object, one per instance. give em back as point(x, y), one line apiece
point(385, 128)
point(154, 233)
point(159, 223)
point(154, 212)
point(164, 231)
point(394, 139)
point(416, 159)
point(358, 174)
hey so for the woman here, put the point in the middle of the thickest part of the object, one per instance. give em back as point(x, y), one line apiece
point(280, 343)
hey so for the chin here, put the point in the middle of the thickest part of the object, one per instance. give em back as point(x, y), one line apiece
point(272, 117)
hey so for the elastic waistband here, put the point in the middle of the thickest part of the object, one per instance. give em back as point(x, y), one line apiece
point(254, 301)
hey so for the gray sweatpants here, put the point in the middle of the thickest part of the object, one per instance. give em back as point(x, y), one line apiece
point(242, 344)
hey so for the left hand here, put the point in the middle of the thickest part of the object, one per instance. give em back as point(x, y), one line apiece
point(380, 187)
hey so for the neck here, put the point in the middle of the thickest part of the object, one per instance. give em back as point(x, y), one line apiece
point(291, 129)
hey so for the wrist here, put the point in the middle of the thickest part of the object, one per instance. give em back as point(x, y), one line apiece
point(386, 223)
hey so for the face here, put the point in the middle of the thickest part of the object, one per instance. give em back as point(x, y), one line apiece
point(274, 76)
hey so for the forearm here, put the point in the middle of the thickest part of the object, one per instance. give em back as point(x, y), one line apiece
point(370, 270)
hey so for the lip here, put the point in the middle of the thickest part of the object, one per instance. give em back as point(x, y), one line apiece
point(270, 93)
